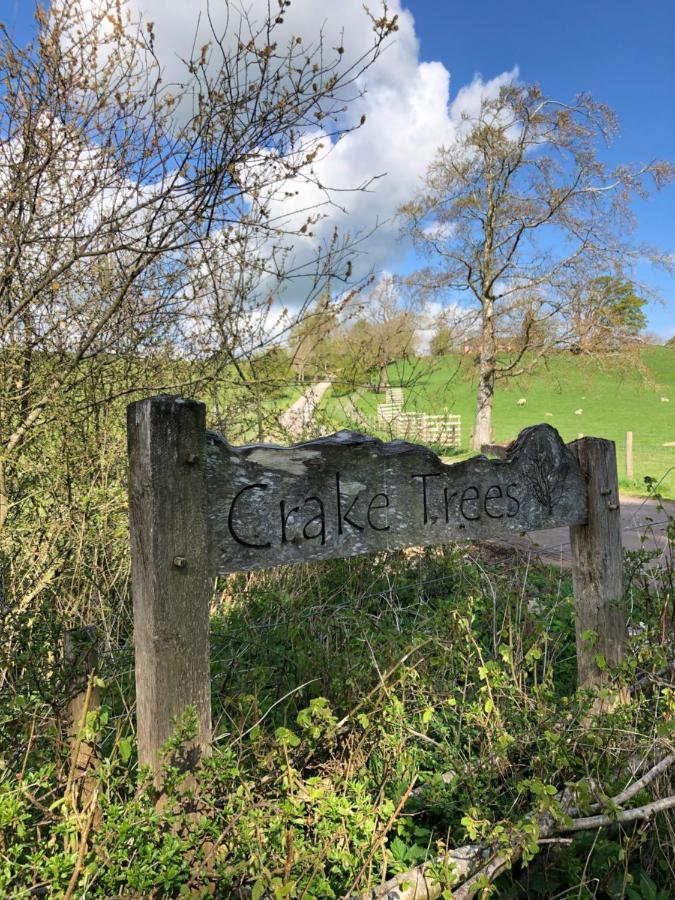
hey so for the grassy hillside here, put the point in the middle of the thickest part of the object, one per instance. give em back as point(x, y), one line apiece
point(614, 396)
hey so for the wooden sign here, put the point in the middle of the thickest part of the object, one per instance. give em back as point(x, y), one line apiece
point(347, 494)
point(199, 507)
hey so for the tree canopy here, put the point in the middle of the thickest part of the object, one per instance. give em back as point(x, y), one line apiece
point(512, 209)
point(607, 313)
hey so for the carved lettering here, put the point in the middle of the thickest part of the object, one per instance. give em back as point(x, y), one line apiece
point(230, 518)
point(468, 497)
point(345, 518)
point(494, 492)
point(350, 494)
point(285, 516)
point(424, 493)
point(510, 515)
point(447, 497)
point(373, 506)
point(320, 519)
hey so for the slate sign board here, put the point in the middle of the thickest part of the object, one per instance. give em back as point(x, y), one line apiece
point(347, 494)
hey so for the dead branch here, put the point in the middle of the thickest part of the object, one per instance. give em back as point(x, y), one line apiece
point(475, 863)
point(587, 823)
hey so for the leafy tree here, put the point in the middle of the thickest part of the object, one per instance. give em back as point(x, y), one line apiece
point(511, 209)
point(386, 331)
point(452, 328)
point(311, 339)
point(137, 216)
point(442, 341)
point(140, 253)
point(606, 313)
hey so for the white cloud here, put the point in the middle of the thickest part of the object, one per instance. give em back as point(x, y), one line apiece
point(468, 99)
point(407, 107)
point(458, 318)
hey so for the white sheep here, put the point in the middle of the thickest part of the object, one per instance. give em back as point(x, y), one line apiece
point(665, 399)
point(578, 412)
point(521, 402)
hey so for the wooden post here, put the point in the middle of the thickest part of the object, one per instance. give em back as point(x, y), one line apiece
point(629, 454)
point(597, 565)
point(170, 580)
point(81, 658)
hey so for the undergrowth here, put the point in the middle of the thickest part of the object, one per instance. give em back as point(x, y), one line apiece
point(368, 716)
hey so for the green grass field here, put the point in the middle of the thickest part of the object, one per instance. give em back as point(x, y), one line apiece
point(615, 396)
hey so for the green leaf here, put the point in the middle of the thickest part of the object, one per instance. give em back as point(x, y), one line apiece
point(124, 748)
point(505, 653)
point(398, 849)
point(471, 827)
point(286, 736)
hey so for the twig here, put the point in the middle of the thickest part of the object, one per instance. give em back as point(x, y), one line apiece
point(588, 823)
point(383, 679)
point(421, 882)
point(377, 843)
point(633, 789)
point(72, 884)
point(419, 887)
point(491, 871)
point(266, 713)
point(629, 792)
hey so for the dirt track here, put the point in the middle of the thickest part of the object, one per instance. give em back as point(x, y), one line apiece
point(643, 527)
point(298, 416)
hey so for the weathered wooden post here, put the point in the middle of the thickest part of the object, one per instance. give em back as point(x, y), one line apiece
point(170, 575)
point(597, 565)
point(629, 454)
point(81, 658)
point(199, 507)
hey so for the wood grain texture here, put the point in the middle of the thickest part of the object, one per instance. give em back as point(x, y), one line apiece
point(597, 564)
point(170, 577)
point(347, 494)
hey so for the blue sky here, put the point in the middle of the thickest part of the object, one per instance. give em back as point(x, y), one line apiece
point(624, 55)
point(621, 52)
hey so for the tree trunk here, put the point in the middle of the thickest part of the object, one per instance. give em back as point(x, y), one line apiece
point(486, 381)
point(483, 423)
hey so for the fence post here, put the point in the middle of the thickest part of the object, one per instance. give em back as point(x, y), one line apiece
point(170, 580)
point(629, 454)
point(81, 659)
point(597, 565)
